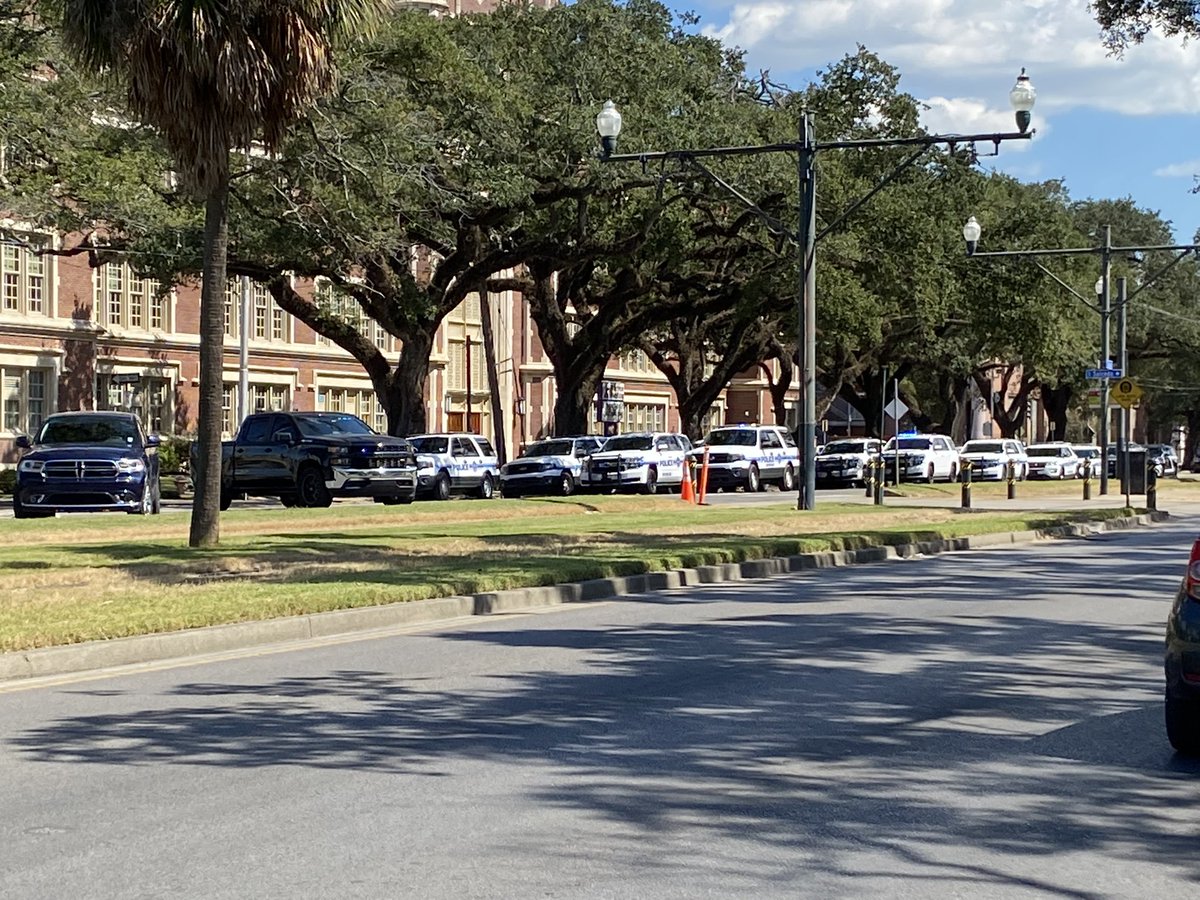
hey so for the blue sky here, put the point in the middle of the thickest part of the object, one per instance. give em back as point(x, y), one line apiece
point(1110, 127)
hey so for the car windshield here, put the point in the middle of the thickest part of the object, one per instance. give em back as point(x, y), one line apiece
point(845, 447)
point(983, 447)
point(630, 442)
point(1044, 451)
point(736, 437)
point(1087, 452)
point(324, 426)
point(548, 448)
point(908, 443)
point(431, 444)
point(116, 431)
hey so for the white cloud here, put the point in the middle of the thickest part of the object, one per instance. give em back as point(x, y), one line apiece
point(970, 49)
point(1189, 169)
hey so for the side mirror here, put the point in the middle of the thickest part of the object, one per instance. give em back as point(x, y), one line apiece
point(153, 440)
point(282, 437)
point(24, 442)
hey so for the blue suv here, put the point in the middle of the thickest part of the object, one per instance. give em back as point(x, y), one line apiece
point(87, 462)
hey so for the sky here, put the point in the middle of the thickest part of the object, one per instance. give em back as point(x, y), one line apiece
point(1109, 127)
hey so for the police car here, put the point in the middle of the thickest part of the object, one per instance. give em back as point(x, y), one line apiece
point(844, 461)
point(550, 466)
point(991, 458)
point(455, 464)
point(750, 456)
point(921, 457)
point(643, 461)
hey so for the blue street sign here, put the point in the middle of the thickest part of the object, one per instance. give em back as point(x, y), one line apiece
point(1102, 373)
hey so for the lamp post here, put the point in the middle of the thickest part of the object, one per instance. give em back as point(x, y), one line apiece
point(609, 122)
point(972, 232)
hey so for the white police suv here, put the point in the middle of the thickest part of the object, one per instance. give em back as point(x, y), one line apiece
point(455, 464)
point(920, 457)
point(553, 466)
point(750, 456)
point(990, 458)
point(844, 461)
point(1053, 459)
point(642, 461)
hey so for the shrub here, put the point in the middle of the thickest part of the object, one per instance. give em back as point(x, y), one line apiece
point(8, 481)
point(173, 454)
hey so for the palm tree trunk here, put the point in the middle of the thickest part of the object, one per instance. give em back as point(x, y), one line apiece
point(206, 507)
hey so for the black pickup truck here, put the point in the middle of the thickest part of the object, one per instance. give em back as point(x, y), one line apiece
point(310, 458)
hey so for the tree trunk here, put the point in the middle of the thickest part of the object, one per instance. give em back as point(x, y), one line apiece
point(493, 376)
point(577, 388)
point(206, 506)
point(1056, 400)
point(404, 395)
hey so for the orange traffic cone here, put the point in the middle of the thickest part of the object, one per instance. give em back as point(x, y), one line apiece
point(686, 494)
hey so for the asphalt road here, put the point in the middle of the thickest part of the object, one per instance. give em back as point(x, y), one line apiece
point(984, 724)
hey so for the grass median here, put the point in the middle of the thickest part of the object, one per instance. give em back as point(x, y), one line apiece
point(81, 578)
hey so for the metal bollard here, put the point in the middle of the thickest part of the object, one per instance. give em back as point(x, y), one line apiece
point(1151, 487)
point(1011, 475)
point(1087, 479)
point(869, 477)
point(966, 485)
point(879, 480)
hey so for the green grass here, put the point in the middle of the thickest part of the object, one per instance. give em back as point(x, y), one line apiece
point(90, 577)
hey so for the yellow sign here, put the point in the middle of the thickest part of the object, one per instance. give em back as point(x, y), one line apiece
point(1127, 392)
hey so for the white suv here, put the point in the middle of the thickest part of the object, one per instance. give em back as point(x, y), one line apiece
point(844, 461)
point(455, 463)
point(645, 460)
point(1053, 460)
point(553, 465)
point(922, 457)
point(749, 456)
point(989, 458)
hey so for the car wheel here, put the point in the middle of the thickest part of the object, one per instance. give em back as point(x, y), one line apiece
point(1183, 725)
point(929, 475)
point(1062, 473)
point(441, 487)
point(566, 484)
point(288, 500)
point(21, 511)
point(146, 504)
point(651, 485)
point(788, 481)
point(310, 489)
point(953, 473)
point(510, 493)
point(226, 499)
point(753, 480)
point(487, 488)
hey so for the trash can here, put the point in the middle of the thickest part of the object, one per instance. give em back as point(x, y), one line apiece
point(1137, 470)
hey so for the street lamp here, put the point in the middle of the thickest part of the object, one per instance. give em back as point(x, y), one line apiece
point(608, 124)
point(1105, 250)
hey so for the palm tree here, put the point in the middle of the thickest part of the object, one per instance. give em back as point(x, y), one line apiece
point(213, 76)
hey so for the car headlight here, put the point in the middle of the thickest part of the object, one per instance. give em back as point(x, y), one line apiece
point(339, 458)
point(424, 462)
point(737, 457)
point(32, 465)
point(131, 465)
point(634, 463)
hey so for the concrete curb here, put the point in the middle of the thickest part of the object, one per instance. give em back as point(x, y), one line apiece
point(93, 655)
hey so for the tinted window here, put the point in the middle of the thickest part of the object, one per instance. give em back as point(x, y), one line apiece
point(331, 424)
point(771, 439)
point(432, 444)
point(486, 447)
point(257, 430)
point(629, 442)
point(983, 447)
point(117, 431)
point(549, 448)
point(1042, 451)
point(737, 437)
point(908, 443)
point(464, 447)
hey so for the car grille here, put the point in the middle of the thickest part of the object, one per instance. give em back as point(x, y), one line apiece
point(604, 465)
point(720, 457)
point(520, 468)
point(394, 460)
point(81, 469)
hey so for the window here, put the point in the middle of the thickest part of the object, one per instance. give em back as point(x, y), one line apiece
point(635, 361)
point(149, 398)
point(341, 304)
point(23, 275)
point(24, 398)
point(125, 299)
point(644, 417)
point(268, 321)
point(265, 397)
point(456, 367)
point(361, 402)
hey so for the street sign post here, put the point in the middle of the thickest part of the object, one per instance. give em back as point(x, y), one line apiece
point(1127, 392)
point(1101, 374)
